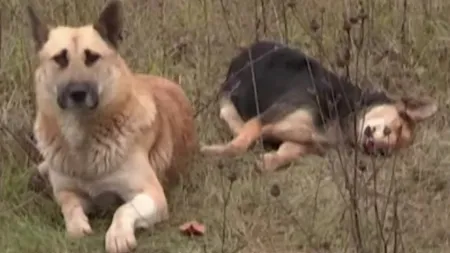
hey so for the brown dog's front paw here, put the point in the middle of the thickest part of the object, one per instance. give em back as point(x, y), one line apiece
point(78, 227)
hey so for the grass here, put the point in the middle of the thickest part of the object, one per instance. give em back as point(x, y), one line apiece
point(317, 205)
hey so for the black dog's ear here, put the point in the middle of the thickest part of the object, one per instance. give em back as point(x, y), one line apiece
point(418, 109)
point(109, 24)
point(39, 30)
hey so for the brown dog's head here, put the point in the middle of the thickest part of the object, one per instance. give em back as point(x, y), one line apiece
point(388, 127)
point(79, 67)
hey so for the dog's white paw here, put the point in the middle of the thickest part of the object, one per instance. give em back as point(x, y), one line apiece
point(269, 162)
point(221, 150)
point(217, 149)
point(78, 227)
point(120, 239)
point(212, 149)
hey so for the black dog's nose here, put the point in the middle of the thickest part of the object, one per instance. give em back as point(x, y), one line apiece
point(368, 131)
point(78, 96)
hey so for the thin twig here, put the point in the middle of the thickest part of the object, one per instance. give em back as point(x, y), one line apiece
point(404, 21)
point(224, 217)
point(285, 22)
point(216, 95)
point(208, 41)
point(263, 14)
point(225, 17)
point(1, 36)
point(256, 20)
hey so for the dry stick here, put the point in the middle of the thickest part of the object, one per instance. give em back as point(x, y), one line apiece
point(256, 20)
point(264, 20)
point(208, 65)
point(379, 223)
point(404, 20)
point(395, 208)
point(1, 37)
point(225, 17)
point(286, 29)
point(24, 203)
point(317, 39)
point(208, 42)
point(366, 18)
point(393, 188)
point(224, 217)
point(65, 11)
point(353, 191)
point(255, 90)
point(316, 201)
point(321, 32)
point(215, 97)
point(359, 48)
point(268, 216)
point(275, 12)
point(396, 221)
point(163, 34)
point(35, 156)
point(396, 224)
point(263, 10)
point(1, 40)
point(308, 235)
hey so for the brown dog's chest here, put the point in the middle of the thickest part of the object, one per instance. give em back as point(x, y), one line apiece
point(83, 152)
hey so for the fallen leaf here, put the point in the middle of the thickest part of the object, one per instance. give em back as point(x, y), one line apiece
point(192, 228)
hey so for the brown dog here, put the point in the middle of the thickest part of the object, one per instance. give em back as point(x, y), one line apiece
point(102, 128)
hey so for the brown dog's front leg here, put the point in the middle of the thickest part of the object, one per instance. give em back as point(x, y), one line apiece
point(73, 209)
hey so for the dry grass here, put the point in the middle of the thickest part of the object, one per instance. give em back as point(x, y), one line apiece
point(307, 208)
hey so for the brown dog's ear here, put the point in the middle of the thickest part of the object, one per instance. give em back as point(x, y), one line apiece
point(39, 30)
point(109, 24)
point(418, 109)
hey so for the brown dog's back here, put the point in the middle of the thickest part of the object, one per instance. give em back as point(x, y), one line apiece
point(175, 117)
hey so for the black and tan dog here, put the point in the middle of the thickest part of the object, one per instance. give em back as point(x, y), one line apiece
point(301, 105)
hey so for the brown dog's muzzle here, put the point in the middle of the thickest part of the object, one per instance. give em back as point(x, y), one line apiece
point(82, 95)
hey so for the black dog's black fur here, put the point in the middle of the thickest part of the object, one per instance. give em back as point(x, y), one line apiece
point(287, 80)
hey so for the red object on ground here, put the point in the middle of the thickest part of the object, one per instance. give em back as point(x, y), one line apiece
point(192, 228)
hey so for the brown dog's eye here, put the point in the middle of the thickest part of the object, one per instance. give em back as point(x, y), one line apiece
point(61, 59)
point(90, 57)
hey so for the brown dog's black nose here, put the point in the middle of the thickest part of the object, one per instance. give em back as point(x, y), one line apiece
point(78, 96)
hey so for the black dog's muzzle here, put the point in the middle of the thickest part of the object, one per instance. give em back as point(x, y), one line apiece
point(78, 95)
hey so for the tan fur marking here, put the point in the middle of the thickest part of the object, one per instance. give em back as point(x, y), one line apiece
point(297, 127)
point(230, 115)
point(248, 134)
point(286, 153)
point(246, 137)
